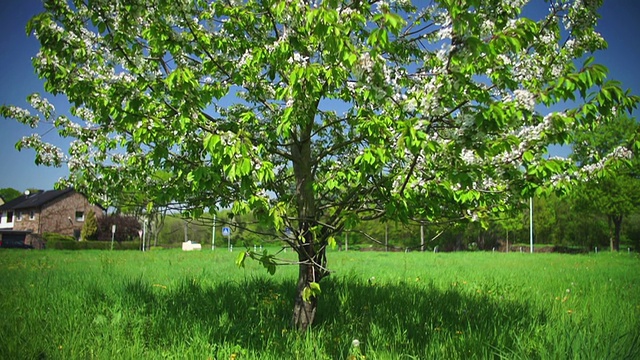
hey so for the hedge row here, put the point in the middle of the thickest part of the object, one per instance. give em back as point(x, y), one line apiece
point(62, 242)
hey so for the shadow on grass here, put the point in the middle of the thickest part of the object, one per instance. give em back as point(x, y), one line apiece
point(255, 314)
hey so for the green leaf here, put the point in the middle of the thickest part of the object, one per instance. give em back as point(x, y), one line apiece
point(211, 141)
point(306, 294)
point(332, 242)
point(241, 259)
point(244, 167)
point(315, 288)
point(527, 156)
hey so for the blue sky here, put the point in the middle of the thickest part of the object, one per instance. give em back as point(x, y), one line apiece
point(619, 26)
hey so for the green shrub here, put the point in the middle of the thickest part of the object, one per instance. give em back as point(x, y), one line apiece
point(90, 227)
point(48, 236)
point(64, 242)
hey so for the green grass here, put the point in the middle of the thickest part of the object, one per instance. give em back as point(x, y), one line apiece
point(198, 305)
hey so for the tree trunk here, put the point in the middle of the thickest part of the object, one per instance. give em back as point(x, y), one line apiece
point(617, 223)
point(310, 262)
point(610, 220)
point(304, 312)
point(615, 228)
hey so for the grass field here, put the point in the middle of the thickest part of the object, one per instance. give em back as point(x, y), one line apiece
point(171, 304)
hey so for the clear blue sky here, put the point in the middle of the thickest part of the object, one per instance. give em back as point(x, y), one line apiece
point(619, 25)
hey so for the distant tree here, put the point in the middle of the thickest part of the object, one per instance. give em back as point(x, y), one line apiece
point(615, 197)
point(611, 193)
point(90, 227)
point(512, 224)
point(9, 194)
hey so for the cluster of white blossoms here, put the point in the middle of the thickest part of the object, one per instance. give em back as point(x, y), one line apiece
point(46, 154)
point(517, 4)
point(364, 66)
point(297, 58)
point(41, 104)
point(473, 215)
point(284, 36)
point(527, 68)
point(245, 58)
point(381, 6)
point(468, 156)
point(618, 153)
point(23, 115)
point(86, 114)
point(525, 99)
point(487, 27)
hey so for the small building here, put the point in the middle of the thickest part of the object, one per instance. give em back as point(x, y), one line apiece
point(56, 211)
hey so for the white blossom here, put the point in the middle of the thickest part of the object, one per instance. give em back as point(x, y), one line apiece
point(41, 104)
point(525, 99)
point(468, 156)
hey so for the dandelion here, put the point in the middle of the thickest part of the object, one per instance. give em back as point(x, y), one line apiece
point(355, 343)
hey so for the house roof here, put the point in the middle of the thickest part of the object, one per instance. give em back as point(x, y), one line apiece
point(34, 200)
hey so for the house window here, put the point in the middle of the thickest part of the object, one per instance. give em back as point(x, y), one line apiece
point(9, 216)
point(79, 215)
point(32, 215)
point(19, 215)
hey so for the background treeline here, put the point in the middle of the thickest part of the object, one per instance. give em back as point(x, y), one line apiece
point(562, 222)
point(581, 221)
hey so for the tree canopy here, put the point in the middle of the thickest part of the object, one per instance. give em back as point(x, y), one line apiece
point(316, 115)
point(8, 194)
point(616, 195)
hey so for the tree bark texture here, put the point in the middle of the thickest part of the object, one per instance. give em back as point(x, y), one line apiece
point(617, 223)
point(615, 231)
point(304, 312)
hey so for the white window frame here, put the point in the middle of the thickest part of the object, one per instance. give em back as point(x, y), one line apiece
point(80, 218)
point(18, 215)
point(32, 215)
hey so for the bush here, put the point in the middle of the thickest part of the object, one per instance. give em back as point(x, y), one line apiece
point(63, 242)
point(126, 228)
point(48, 236)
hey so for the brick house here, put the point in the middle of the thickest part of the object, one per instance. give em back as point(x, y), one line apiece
point(56, 211)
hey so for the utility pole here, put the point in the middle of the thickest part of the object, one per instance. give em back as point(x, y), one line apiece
point(531, 222)
point(213, 233)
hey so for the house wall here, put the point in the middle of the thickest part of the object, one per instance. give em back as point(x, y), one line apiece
point(58, 216)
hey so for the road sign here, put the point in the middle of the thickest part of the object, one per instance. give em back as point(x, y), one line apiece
point(226, 231)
